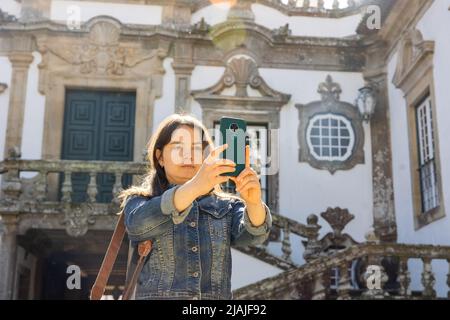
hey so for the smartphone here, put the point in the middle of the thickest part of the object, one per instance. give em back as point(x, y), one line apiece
point(233, 132)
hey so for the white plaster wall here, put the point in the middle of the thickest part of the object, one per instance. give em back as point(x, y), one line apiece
point(10, 6)
point(303, 189)
point(203, 77)
point(33, 125)
point(126, 13)
point(247, 270)
point(273, 19)
point(165, 106)
point(433, 25)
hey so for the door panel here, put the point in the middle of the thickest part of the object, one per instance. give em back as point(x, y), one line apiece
point(98, 125)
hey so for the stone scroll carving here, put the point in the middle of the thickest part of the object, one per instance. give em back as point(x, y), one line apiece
point(101, 52)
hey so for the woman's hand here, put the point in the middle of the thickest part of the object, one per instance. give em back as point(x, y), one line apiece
point(248, 186)
point(247, 183)
point(209, 174)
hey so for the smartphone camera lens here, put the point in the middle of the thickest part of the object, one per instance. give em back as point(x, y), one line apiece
point(234, 127)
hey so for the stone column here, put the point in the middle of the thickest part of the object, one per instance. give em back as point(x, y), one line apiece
point(382, 179)
point(8, 252)
point(183, 67)
point(20, 64)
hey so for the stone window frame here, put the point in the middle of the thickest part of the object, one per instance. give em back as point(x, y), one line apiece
point(414, 76)
point(330, 104)
point(242, 72)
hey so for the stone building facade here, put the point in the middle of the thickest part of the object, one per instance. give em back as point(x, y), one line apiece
point(83, 84)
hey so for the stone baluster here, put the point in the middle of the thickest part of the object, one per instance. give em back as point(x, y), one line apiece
point(376, 278)
point(92, 188)
point(344, 286)
point(428, 279)
point(11, 186)
point(321, 286)
point(286, 243)
point(292, 3)
point(320, 4)
point(117, 188)
point(404, 277)
point(306, 4)
point(41, 186)
point(336, 5)
point(312, 245)
point(66, 189)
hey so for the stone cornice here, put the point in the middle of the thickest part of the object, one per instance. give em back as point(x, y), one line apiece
point(404, 15)
point(213, 47)
point(287, 9)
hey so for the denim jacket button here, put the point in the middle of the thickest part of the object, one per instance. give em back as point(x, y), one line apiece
point(193, 224)
point(195, 274)
point(194, 249)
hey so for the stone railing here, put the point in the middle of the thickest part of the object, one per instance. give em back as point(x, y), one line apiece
point(383, 274)
point(283, 231)
point(40, 188)
point(50, 192)
point(288, 232)
point(46, 199)
point(319, 8)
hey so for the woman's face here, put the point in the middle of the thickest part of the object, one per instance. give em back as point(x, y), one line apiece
point(182, 157)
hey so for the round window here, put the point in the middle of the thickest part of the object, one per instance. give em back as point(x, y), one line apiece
point(330, 137)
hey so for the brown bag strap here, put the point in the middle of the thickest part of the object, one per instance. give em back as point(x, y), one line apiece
point(144, 249)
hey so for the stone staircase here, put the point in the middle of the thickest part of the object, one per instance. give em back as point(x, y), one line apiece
point(329, 260)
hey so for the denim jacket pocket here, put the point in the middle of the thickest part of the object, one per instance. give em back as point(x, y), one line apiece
point(215, 206)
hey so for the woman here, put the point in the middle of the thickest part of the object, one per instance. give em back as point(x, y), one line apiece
point(192, 223)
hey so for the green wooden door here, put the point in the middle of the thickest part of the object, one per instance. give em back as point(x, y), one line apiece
point(98, 125)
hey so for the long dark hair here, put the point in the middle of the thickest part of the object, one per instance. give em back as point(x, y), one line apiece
point(155, 181)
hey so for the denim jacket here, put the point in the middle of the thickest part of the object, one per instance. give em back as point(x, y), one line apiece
point(191, 255)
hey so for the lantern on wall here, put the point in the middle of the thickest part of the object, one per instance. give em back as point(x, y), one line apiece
point(366, 102)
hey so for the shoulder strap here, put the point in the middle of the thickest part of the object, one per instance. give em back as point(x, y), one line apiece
point(144, 249)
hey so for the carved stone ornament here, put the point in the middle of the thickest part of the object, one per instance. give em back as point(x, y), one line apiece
point(77, 218)
point(243, 72)
point(260, 105)
point(414, 52)
point(330, 105)
point(101, 53)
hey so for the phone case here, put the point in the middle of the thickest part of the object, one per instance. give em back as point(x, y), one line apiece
point(234, 133)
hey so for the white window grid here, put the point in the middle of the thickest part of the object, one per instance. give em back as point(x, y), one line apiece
point(427, 163)
point(335, 276)
point(330, 137)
